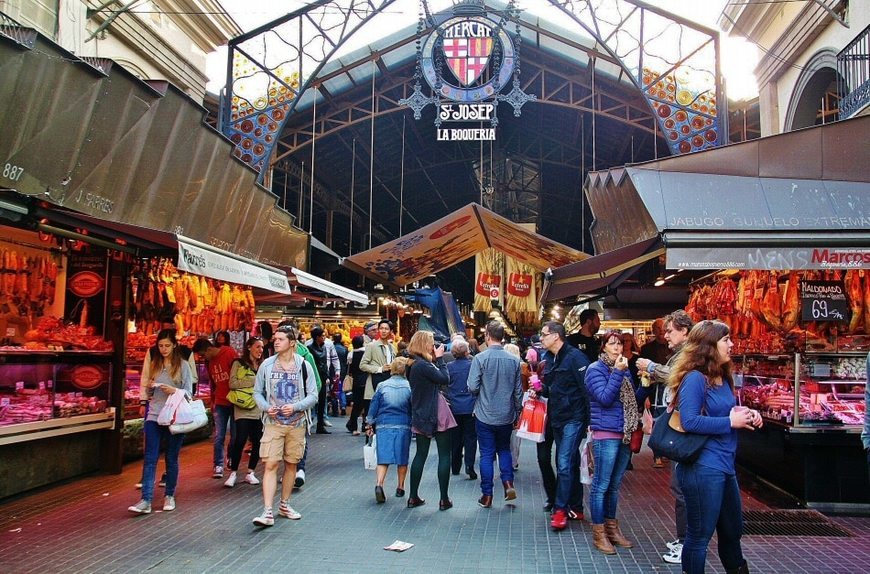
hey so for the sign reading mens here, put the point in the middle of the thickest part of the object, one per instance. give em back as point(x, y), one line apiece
point(201, 259)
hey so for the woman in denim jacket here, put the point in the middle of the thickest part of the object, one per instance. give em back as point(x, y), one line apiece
point(390, 415)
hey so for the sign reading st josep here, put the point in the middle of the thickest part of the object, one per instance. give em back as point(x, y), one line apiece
point(467, 61)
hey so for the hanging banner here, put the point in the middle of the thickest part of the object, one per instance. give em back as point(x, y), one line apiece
point(521, 293)
point(489, 270)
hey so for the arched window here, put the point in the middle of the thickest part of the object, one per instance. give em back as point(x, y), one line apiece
point(814, 100)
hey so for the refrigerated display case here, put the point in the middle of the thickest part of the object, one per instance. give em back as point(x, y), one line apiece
point(48, 393)
point(813, 409)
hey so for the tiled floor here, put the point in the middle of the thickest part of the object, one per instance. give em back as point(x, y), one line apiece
point(83, 526)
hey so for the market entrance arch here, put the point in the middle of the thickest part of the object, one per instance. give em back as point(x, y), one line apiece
point(330, 140)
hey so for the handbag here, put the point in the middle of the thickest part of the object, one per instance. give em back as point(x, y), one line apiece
point(636, 439)
point(370, 452)
point(347, 385)
point(242, 398)
point(533, 419)
point(200, 418)
point(670, 440)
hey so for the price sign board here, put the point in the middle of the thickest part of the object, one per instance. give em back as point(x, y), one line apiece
point(824, 301)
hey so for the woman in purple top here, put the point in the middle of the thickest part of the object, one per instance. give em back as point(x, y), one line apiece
point(704, 394)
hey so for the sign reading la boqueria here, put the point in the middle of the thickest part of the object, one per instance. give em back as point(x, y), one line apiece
point(468, 60)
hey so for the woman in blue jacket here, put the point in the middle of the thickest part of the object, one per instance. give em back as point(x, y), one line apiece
point(704, 395)
point(613, 404)
point(390, 416)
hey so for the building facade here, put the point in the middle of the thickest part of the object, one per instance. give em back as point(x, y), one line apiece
point(165, 40)
point(813, 64)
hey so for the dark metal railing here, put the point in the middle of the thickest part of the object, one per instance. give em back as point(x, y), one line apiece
point(16, 32)
point(853, 66)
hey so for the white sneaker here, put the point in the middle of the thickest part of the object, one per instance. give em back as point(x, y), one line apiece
point(251, 479)
point(141, 507)
point(218, 472)
point(672, 543)
point(286, 511)
point(169, 504)
point(675, 556)
point(300, 479)
point(265, 519)
point(231, 481)
point(326, 422)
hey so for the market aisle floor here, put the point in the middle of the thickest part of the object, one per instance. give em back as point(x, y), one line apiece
point(84, 526)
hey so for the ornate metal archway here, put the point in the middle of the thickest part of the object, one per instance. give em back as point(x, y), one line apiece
point(673, 62)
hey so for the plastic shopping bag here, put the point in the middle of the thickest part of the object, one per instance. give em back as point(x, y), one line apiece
point(370, 453)
point(587, 466)
point(647, 421)
point(198, 416)
point(166, 416)
point(533, 419)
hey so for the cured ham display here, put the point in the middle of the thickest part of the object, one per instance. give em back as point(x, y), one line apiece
point(197, 305)
point(763, 309)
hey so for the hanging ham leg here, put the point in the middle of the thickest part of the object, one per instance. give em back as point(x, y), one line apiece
point(855, 292)
point(791, 310)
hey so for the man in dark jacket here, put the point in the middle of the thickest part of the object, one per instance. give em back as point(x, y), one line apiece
point(341, 351)
point(567, 412)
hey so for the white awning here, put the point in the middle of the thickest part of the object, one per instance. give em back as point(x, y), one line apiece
point(208, 261)
point(314, 282)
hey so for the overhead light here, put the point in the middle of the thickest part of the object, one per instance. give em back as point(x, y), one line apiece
point(660, 281)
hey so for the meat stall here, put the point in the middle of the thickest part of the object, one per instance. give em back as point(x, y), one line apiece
point(789, 217)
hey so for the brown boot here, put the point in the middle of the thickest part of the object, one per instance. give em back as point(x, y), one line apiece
point(611, 525)
point(600, 541)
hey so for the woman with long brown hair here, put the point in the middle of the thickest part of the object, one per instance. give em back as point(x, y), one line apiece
point(704, 395)
point(430, 413)
point(243, 375)
point(170, 374)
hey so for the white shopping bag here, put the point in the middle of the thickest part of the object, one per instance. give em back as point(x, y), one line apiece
point(167, 414)
point(370, 453)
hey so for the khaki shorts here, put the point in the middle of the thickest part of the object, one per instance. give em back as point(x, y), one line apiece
point(283, 442)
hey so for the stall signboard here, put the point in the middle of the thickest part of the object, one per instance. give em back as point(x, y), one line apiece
point(199, 259)
point(824, 301)
point(85, 302)
point(768, 258)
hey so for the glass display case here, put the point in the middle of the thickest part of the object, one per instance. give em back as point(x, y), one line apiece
point(51, 389)
point(804, 390)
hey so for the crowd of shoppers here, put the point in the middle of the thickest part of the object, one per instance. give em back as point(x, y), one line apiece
point(468, 405)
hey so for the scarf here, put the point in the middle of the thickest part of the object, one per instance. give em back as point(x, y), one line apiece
point(630, 418)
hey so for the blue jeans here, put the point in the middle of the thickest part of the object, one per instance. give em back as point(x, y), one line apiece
point(494, 439)
point(611, 460)
point(712, 504)
point(153, 435)
point(223, 420)
point(567, 440)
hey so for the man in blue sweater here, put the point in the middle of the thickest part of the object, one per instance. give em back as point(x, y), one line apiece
point(494, 378)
